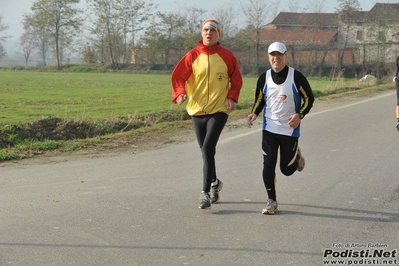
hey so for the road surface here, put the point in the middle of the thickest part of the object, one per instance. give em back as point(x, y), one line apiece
point(141, 209)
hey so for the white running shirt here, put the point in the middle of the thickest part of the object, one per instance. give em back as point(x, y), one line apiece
point(282, 101)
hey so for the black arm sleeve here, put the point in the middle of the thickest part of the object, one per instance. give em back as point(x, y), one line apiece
point(397, 66)
point(305, 91)
point(259, 103)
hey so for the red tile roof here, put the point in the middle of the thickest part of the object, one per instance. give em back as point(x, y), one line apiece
point(318, 20)
point(297, 37)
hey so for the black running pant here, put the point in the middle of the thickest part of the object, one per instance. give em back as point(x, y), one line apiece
point(207, 130)
point(397, 91)
point(271, 143)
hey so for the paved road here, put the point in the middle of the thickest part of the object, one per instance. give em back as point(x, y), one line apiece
point(142, 209)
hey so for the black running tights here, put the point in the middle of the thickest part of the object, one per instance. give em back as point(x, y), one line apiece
point(271, 143)
point(397, 91)
point(207, 130)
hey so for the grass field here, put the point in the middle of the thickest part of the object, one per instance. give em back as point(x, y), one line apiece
point(100, 102)
point(29, 96)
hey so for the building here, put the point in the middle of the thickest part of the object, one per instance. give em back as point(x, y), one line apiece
point(350, 37)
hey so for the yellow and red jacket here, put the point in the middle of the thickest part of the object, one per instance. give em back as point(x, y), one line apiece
point(212, 75)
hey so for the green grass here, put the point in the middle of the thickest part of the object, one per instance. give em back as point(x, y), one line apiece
point(28, 96)
point(99, 99)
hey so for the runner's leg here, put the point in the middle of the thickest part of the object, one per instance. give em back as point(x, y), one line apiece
point(208, 130)
point(288, 154)
point(270, 146)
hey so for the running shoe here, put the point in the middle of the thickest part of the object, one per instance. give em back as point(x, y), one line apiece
point(214, 194)
point(301, 160)
point(397, 126)
point(205, 201)
point(271, 207)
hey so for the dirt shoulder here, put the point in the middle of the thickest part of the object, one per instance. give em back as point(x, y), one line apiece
point(133, 143)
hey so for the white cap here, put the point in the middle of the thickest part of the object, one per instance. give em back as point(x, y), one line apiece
point(277, 47)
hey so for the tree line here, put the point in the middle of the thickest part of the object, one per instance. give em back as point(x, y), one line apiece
point(119, 32)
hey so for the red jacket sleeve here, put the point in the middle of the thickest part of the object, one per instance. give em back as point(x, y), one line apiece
point(180, 75)
point(235, 81)
point(234, 74)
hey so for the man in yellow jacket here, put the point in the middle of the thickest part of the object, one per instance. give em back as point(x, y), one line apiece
point(213, 81)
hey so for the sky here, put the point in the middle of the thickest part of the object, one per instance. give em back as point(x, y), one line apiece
point(12, 11)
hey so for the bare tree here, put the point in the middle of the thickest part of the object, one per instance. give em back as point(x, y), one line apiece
point(115, 21)
point(149, 45)
point(140, 11)
point(26, 43)
point(169, 24)
point(380, 42)
point(39, 35)
point(256, 13)
point(89, 55)
point(316, 6)
point(228, 15)
point(346, 10)
point(108, 30)
point(293, 6)
point(2, 51)
point(348, 5)
point(3, 27)
point(60, 18)
point(190, 33)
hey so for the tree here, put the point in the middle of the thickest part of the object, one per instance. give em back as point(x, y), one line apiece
point(115, 23)
point(169, 25)
point(89, 55)
point(241, 44)
point(103, 29)
point(256, 14)
point(3, 27)
point(60, 19)
point(26, 43)
point(139, 12)
point(190, 33)
point(380, 35)
point(228, 17)
point(107, 30)
point(293, 6)
point(348, 5)
point(2, 51)
point(316, 6)
point(38, 34)
point(346, 10)
point(149, 45)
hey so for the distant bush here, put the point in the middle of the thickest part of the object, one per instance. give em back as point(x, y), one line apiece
point(86, 69)
point(18, 68)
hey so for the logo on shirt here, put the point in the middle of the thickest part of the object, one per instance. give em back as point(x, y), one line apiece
point(280, 98)
point(219, 76)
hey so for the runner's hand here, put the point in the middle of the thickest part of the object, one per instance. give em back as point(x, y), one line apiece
point(230, 104)
point(250, 119)
point(181, 98)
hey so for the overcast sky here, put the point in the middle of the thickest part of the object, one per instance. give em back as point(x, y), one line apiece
point(12, 11)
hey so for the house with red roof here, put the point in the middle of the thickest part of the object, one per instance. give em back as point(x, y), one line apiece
point(346, 38)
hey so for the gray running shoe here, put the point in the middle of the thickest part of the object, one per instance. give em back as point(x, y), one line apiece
point(271, 207)
point(214, 194)
point(301, 160)
point(205, 201)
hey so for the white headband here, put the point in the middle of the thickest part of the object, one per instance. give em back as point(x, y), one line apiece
point(210, 24)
